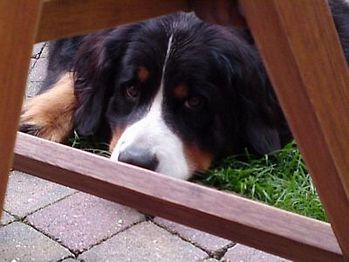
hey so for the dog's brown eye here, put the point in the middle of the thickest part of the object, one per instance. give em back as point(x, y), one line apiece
point(132, 92)
point(195, 103)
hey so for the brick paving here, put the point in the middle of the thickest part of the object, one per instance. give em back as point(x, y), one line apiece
point(242, 253)
point(44, 221)
point(20, 242)
point(145, 242)
point(84, 220)
point(211, 244)
point(6, 218)
point(27, 194)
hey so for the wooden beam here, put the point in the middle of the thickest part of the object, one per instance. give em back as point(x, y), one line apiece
point(223, 214)
point(306, 64)
point(63, 18)
point(18, 23)
point(222, 12)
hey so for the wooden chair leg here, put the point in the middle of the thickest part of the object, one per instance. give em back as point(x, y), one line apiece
point(220, 213)
point(306, 64)
point(18, 24)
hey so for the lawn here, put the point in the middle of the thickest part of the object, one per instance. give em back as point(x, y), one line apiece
point(279, 179)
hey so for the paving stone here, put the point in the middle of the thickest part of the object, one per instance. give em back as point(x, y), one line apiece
point(241, 253)
point(33, 88)
point(26, 194)
point(20, 242)
point(82, 220)
point(208, 242)
point(38, 72)
point(32, 63)
point(37, 49)
point(70, 260)
point(144, 242)
point(6, 218)
point(44, 53)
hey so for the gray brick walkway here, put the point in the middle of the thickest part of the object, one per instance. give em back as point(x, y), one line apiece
point(44, 221)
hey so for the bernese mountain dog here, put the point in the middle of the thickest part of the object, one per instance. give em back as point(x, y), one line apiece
point(170, 94)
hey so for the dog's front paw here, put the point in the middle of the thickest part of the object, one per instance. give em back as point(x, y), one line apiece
point(42, 120)
point(29, 129)
point(50, 115)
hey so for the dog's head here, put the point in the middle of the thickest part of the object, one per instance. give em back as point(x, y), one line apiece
point(176, 93)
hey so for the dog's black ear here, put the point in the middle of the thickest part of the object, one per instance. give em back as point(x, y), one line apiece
point(261, 118)
point(95, 67)
point(262, 137)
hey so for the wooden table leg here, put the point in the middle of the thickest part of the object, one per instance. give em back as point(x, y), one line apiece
point(223, 12)
point(223, 214)
point(18, 24)
point(306, 64)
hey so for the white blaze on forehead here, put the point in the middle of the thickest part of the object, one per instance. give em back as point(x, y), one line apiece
point(152, 133)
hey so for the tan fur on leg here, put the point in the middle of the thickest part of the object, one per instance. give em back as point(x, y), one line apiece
point(50, 115)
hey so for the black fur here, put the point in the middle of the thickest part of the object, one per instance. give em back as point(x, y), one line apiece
point(61, 54)
point(219, 64)
point(340, 13)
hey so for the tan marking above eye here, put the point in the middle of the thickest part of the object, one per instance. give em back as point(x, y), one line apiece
point(143, 74)
point(181, 92)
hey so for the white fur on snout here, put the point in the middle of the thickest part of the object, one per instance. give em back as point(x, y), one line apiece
point(152, 133)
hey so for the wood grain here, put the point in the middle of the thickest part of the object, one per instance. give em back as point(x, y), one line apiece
point(63, 18)
point(223, 12)
point(307, 67)
point(18, 23)
point(311, 80)
point(216, 212)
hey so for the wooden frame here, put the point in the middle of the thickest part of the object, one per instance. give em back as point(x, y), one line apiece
point(223, 214)
point(61, 19)
point(310, 81)
point(15, 51)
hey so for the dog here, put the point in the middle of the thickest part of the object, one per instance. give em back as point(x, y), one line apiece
point(169, 94)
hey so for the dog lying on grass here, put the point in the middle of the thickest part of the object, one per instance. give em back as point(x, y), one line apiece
point(169, 94)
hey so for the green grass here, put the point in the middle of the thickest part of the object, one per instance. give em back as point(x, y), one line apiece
point(279, 179)
point(89, 144)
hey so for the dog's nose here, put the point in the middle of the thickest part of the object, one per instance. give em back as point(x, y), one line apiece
point(139, 156)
